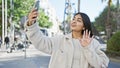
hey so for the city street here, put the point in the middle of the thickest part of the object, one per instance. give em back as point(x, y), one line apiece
point(17, 59)
point(74, 22)
point(34, 59)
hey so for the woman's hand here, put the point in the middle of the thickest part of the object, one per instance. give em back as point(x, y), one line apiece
point(86, 39)
point(32, 16)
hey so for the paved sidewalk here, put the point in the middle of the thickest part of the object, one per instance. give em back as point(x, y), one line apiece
point(17, 59)
point(34, 59)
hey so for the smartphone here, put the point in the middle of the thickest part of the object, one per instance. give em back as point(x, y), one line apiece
point(37, 5)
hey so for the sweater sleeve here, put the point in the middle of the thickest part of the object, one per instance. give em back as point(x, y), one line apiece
point(95, 57)
point(41, 42)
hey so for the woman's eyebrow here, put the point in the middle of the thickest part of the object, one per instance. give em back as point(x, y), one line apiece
point(80, 18)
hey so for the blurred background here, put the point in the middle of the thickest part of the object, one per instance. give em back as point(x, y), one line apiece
point(54, 19)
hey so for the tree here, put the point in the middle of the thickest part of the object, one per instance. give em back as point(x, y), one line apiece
point(22, 8)
point(44, 20)
point(118, 15)
point(102, 19)
point(108, 24)
point(27, 5)
point(114, 45)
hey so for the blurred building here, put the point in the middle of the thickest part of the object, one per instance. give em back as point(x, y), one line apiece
point(51, 13)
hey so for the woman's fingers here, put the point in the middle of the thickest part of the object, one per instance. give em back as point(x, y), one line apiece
point(33, 10)
point(84, 34)
point(89, 34)
point(92, 37)
point(32, 16)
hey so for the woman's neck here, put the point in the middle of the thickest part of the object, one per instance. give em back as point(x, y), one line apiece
point(76, 35)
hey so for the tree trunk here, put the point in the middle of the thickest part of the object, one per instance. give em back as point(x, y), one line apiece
point(118, 16)
point(108, 25)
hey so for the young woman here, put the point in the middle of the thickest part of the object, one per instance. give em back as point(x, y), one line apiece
point(75, 50)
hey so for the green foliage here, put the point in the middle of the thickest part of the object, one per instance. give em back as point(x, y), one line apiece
point(22, 8)
point(113, 44)
point(102, 19)
point(44, 20)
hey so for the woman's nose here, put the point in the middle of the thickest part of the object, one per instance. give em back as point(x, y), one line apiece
point(73, 21)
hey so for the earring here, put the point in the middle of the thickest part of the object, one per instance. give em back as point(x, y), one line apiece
point(83, 28)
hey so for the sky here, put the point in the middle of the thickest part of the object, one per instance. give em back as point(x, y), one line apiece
point(91, 7)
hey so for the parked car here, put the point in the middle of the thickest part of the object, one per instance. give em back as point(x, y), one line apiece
point(44, 31)
point(103, 44)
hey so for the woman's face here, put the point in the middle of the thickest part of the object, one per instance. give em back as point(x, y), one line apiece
point(77, 23)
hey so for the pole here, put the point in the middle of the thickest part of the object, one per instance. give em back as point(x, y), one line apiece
point(64, 22)
point(5, 18)
point(22, 21)
point(64, 19)
point(10, 21)
point(2, 22)
point(78, 5)
point(25, 46)
point(66, 14)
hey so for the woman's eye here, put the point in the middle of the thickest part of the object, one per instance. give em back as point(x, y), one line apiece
point(79, 20)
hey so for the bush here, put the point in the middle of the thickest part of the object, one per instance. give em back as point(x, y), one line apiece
point(113, 45)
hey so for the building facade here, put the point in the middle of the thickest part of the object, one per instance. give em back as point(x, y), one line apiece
point(51, 13)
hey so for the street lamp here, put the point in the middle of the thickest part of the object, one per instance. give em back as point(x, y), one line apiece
point(78, 5)
point(68, 12)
